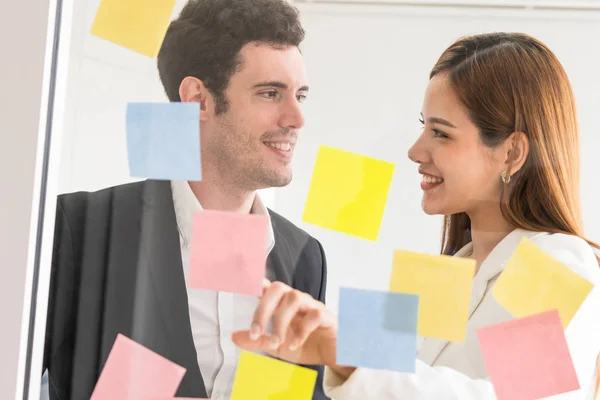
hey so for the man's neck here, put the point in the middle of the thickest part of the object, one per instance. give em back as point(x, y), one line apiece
point(214, 196)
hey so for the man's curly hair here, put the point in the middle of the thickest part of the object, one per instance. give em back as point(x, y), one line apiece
point(206, 38)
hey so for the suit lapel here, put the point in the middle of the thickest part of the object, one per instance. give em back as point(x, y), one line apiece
point(279, 257)
point(160, 253)
point(492, 266)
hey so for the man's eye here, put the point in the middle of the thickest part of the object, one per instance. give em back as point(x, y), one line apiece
point(301, 97)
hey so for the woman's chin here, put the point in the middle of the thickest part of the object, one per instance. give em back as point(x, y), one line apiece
point(431, 209)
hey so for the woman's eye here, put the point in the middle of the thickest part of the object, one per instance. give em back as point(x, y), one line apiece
point(421, 121)
point(439, 134)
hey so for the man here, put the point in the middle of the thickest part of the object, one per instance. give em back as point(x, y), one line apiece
point(121, 254)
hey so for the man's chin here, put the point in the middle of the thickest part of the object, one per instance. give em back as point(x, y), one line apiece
point(265, 178)
point(281, 182)
point(278, 180)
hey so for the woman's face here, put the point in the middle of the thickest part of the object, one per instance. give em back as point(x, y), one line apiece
point(460, 173)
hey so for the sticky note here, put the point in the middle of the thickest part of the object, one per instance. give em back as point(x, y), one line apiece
point(443, 284)
point(534, 282)
point(163, 141)
point(229, 252)
point(528, 358)
point(348, 193)
point(139, 25)
point(364, 336)
point(133, 371)
point(260, 377)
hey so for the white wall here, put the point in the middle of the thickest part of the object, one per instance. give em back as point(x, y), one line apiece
point(103, 78)
point(368, 69)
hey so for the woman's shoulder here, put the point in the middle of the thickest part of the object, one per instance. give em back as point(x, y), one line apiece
point(572, 251)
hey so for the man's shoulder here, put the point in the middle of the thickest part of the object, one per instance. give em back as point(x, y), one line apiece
point(285, 229)
point(284, 225)
point(84, 198)
point(92, 211)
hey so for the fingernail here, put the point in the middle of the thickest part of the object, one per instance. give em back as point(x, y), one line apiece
point(274, 342)
point(294, 346)
point(254, 331)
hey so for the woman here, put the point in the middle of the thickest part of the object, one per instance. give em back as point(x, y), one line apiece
point(499, 155)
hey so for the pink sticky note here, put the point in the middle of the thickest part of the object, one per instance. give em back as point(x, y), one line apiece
point(528, 358)
point(134, 372)
point(229, 252)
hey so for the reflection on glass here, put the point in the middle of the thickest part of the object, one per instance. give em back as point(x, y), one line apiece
point(123, 246)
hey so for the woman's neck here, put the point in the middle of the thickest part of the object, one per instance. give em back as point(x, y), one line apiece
point(487, 230)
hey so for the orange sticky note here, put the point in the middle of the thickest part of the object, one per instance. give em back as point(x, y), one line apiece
point(135, 372)
point(260, 377)
point(139, 25)
point(533, 282)
point(229, 252)
point(348, 193)
point(443, 284)
point(528, 358)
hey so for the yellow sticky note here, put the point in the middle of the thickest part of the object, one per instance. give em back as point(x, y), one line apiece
point(139, 25)
point(264, 378)
point(348, 193)
point(534, 282)
point(443, 284)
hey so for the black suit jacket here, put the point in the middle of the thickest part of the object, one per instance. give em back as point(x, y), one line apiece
point(117, 269)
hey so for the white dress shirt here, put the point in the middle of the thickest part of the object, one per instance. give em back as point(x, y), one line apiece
point(214, 316)
point(456, 370)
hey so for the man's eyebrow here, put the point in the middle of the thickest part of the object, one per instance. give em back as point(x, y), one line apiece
point(277, 84)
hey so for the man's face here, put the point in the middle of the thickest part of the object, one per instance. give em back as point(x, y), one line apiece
point(251, 144)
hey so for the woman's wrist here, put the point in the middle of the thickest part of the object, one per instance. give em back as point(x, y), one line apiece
point(329, 357)
point(328, 351)
point(342, 370)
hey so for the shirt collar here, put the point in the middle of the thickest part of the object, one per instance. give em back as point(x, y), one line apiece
point(186, 205)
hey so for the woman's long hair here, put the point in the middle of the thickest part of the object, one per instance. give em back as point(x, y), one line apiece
point(511, 82)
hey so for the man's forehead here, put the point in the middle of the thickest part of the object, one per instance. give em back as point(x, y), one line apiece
point(263, 62)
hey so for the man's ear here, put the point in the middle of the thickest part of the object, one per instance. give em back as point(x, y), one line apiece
point(192, 89)
point(517, 151)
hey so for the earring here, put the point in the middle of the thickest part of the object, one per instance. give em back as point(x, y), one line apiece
point(505, 177)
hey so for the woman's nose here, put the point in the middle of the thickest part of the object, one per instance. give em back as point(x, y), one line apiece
point(417, 152)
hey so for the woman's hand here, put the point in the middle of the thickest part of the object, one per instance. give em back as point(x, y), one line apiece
point(303, 330)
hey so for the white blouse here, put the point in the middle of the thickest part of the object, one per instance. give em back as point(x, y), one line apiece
point(456, 370)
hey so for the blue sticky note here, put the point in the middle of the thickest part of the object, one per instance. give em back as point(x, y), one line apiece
point(364, 339)
point(163, 141)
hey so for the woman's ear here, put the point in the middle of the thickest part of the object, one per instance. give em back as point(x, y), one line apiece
point(192, 89)
point(517, 151)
